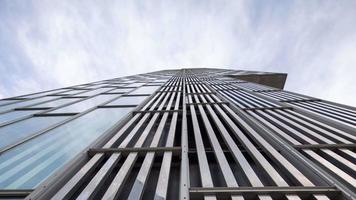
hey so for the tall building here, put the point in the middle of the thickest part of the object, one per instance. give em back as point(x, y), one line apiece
point(177, 134)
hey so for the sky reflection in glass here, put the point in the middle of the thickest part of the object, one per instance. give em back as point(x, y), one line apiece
point(27, 165)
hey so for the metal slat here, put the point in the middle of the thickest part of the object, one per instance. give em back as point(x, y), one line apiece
point(163, 179)
point(273, 96)
point(311, 153)
point(345, 117)
point(205, 174)
point(324, 148)
point(128, 150)
point(324, 114)
point(327, 141)
point(266, 190)
point(74, 183)
point(258, 157)
point(238, 156)
point(296, 173)
point(239, 104)
point(338, 131)
point(289, 97)
point(125, 169)
point(247, 101)
point(344, 112)
point(14, 194)
point(184, 168)
point(138, 187)
point(274, 153)
point(256, 99)
point(338, 107)
point(220, 157)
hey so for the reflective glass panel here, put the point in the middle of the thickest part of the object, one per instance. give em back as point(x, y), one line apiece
point(134, 85)
point(7, 117)
point(25, 103)
point(2, 102)
point(14, 132)
point(85, 104)
point(92, 87)
point(44, 93)
point(127, 100)
point(118, 84)
point(121, 90)
point(159, 81)
point(27, 165)
point(94, 92)
point(55, 103)
point(73, 92)
point(145, 90)
point(79, 86)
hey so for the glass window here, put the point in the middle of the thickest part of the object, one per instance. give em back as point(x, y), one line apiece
point(27, 165)
point(109, 87)
point(79, 86)
point(127, 100)
point(3, 102)
point(92, 87)
point(160, 81)
point(14, 132)
point(154, 84)
point(145, 90)
point(134, 85)
point(121, 90)
point(25, 103)
point(73, 92)
point(118, 84)
point(85, 104)
point(55, 103)
point(44, 93)
point(94, 92)
point(7, 117)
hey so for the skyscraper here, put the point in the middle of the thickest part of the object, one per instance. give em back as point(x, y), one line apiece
point(177, 134)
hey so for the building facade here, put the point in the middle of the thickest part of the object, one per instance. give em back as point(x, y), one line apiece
point(177, 134)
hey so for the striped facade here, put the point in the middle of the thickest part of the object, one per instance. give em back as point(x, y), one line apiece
point(177, 134)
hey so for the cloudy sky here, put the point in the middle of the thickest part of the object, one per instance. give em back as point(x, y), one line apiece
point(51, 44)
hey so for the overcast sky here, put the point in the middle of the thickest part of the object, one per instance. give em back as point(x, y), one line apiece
point(51, 44)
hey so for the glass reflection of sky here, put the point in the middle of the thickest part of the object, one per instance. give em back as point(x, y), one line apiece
point(27, 165)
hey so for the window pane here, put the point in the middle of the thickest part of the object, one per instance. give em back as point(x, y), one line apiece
point(159, 81)
point(85, 105)
point(128, 100)
point(25, 103)
point(27, 165)
point(73, 92)
point(145, 90)
point(94, 92)
point(55, 103)
point(118, 84)
point(43, 93)
point(92, 87)
point(2, 102)
point(134, 85)
point(78, 86)
point(121, 90)
point(14, 132)
point(15, 115)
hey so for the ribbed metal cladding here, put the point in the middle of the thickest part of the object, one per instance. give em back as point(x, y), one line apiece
point(203, 135)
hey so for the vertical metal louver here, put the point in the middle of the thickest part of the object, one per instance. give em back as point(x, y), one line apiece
point(198, 134)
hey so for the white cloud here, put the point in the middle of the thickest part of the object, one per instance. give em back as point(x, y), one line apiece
point(68, 42)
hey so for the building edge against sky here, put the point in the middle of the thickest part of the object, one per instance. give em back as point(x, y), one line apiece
point(177, 134)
